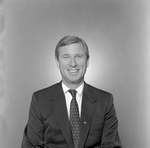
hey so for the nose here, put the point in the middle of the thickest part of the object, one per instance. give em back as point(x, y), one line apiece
point(73, 62)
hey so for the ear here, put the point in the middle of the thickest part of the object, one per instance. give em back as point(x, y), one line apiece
point(57, 62)
point(88, 62)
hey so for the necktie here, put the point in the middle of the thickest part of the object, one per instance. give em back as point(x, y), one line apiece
point(74, 119)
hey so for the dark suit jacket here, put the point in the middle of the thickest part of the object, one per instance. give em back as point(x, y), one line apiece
point(48, 125)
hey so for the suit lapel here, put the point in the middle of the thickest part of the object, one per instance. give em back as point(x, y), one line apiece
point(60, 112)
point(87, 113)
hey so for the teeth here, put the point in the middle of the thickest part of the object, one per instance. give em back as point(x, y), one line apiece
point(73, 71)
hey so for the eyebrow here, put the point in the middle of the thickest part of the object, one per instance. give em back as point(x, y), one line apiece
point(75, 55)
point(80, 54)
point(65, 55)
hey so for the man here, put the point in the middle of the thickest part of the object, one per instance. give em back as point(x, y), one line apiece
point(72, 114)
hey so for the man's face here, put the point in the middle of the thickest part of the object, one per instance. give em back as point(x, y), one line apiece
point(72, 62)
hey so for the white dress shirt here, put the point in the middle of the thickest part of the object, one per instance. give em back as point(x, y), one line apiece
point(68, 97)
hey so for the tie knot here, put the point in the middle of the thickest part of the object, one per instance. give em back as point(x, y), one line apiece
point(73, 93)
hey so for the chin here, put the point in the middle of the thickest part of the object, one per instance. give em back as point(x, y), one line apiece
point(76, 81)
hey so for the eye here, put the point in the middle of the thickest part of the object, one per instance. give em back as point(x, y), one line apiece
point(65, 57)
point(79, 56)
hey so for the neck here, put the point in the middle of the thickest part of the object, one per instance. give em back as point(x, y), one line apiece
point(72, 85)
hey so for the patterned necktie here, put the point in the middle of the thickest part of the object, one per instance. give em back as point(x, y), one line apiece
point(74, 119)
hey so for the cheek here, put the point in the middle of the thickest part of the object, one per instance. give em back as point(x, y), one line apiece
point(83, 65)
point(63, 66)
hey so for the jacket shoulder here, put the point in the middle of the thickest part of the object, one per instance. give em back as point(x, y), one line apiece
point(98, 94)
point(96, 90)
point(48, 91)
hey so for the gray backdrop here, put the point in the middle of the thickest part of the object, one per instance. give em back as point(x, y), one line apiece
point(117, 34)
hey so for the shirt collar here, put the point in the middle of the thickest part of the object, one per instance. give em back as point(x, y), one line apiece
point(79, 89)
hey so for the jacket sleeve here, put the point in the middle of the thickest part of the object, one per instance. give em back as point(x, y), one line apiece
point(110, 138)
point(34, 130)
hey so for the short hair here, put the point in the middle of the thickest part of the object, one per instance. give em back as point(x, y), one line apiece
point(67, 40)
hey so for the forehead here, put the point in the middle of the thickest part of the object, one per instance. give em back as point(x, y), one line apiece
point(75, 48)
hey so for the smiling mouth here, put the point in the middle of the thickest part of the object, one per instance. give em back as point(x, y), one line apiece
point(73, 70)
